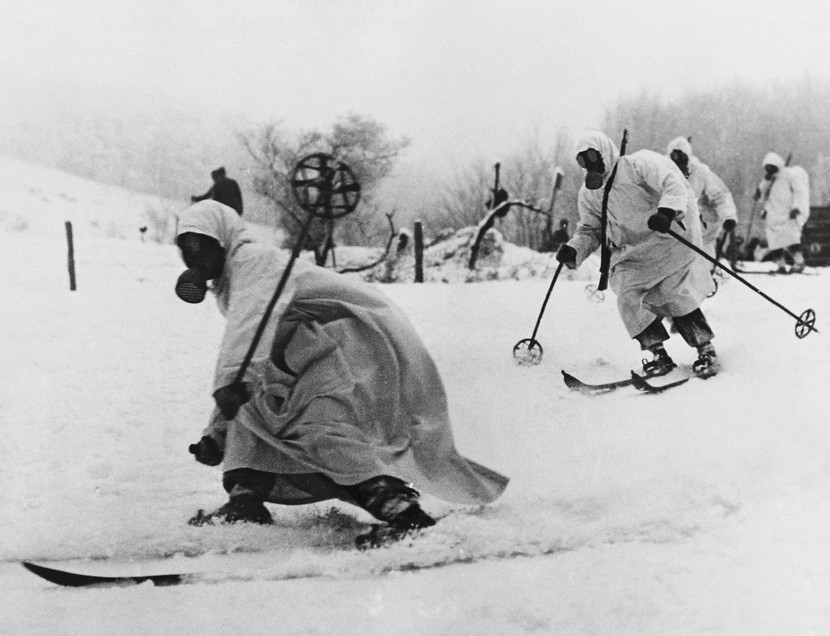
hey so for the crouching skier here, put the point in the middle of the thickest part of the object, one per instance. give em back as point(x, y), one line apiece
point(341, 399)
point(653, 275)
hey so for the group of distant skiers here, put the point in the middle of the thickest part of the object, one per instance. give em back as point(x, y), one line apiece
point(641, 199)
point(342, 400)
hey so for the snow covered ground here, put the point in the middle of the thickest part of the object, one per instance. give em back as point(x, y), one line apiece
point(703, 510)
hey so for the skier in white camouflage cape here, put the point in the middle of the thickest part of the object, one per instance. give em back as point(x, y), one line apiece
point(785, 191)
point(341, 399)
point(714, 200)
point(653, 275)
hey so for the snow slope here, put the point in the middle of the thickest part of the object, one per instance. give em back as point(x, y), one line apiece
point(701, 510)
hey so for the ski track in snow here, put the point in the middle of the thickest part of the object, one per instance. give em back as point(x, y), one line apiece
point(120, 369)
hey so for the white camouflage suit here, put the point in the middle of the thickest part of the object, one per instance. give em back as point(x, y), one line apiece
point(652, 274)
point(714, 201)
point(789, 190)
point(342, 385)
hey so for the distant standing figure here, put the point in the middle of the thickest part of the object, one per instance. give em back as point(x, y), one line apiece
point(214, 175)
point(224, 189)
point(786, 209)
point(717, 208)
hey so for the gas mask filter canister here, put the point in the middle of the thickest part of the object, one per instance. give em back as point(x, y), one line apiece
point(191, 286)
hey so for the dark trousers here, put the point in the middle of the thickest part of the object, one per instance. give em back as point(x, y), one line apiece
point(692, 327)
point(371, 495)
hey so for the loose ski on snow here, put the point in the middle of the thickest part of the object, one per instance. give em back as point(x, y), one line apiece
point(73, 579)
point(639, 382)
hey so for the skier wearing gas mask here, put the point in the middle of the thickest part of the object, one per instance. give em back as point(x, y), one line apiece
point(341, 398)
point(653, 275)
point(786, 208)
point(714, 201)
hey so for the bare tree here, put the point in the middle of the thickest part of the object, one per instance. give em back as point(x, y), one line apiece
point(733, 127)
point(359, 141)
point(528, 175)
point(464, 202)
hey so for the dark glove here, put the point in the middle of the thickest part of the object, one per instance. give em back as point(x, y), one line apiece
point(206, 451)
point(229, 398)
point(567, 256)
point(794, 213)
point(729, 225)
point(661, 220)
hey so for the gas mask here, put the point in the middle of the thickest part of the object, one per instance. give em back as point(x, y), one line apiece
point(682, 160)
point(191, 286)
point(591, 160)
point(205, 260)
point(771, 171)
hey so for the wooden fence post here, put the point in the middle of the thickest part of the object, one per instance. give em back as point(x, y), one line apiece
point(419, 252)
point(70, 256)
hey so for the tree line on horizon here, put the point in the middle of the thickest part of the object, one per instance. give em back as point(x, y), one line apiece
point(171, 154)
point(730, 130)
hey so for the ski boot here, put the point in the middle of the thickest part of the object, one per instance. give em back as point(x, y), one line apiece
point(401, 526)
point(660, 364)
point(390, 500)
point(244, 506)
point(798, 263)
point(706, 364)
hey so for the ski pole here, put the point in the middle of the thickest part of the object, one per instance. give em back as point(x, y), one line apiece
point(732, 249)
point(721, 242)
point(528, 350)
point(804, 322)
point(240, 374)
point(759, 204)
point(718, 252)
point(315, 195)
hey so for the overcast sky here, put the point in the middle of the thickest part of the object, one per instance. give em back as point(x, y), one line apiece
point(458, 77)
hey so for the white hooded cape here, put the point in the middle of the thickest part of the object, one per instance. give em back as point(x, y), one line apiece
point(342, 384)
point(652, 274)
point(789, 189)
point(714, 200)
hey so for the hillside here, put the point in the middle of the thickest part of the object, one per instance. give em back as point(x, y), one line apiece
point(39, 200)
